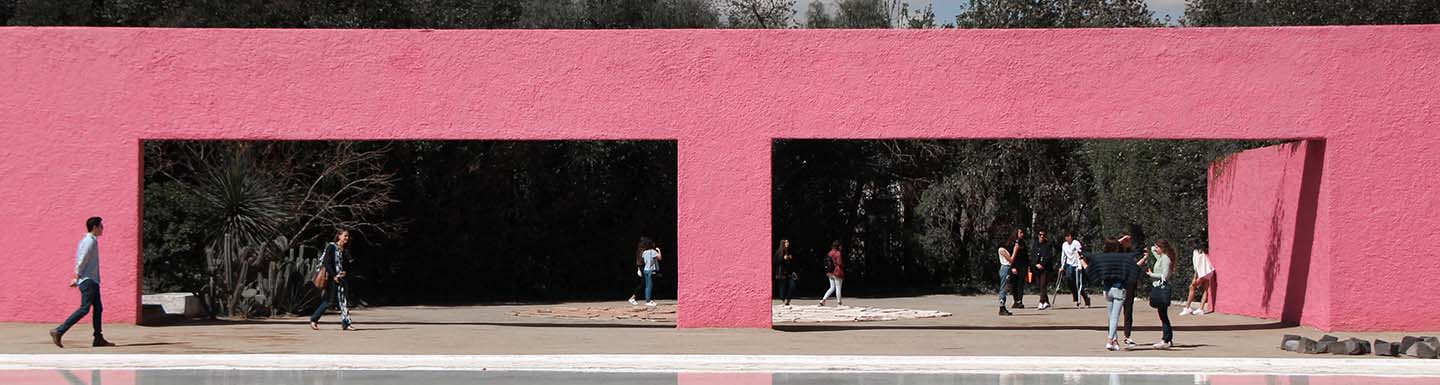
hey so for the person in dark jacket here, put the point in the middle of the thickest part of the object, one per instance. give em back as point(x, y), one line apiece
point(1019, 267)
point(1044, 251)
point(333, 261)
point(1116, 273)
point(785, 274)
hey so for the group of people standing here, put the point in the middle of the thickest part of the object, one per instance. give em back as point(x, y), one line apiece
point(1116, 270)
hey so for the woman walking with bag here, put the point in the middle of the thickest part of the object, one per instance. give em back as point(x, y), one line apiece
point(331, 278)
point(648, 260)
point(1161, 271)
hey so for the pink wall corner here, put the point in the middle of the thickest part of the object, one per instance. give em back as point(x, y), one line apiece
point(1264, 266)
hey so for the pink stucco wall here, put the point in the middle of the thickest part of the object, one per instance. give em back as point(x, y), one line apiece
point(78, 101)
point(1259, 239)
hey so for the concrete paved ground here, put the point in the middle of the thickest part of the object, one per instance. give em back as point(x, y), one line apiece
point(973, 330)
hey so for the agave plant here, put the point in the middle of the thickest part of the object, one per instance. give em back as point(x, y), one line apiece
point(249, 209)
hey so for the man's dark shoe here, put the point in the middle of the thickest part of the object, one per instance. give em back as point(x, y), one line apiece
point(100, 342)
point(1018, 305)
point(55, 337)
point(1003, 311)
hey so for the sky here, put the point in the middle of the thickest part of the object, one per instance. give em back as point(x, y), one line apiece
point(945, 10)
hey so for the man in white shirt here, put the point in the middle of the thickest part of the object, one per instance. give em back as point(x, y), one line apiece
point(87, 278)
point(1071, 251)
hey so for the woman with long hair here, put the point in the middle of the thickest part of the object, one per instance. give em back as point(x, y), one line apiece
point(333, 261)
point(785, 271)
point(647, 261)
point(1160, 272)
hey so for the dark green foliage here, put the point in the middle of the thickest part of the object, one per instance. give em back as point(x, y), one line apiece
point(1055, 14)
point(1228, 13)
point(926, 216)
point(433, 221)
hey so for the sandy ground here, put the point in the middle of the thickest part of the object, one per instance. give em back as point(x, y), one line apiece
point(974, 329)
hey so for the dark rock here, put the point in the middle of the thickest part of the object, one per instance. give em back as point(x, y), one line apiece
point(1384, 348)
point(1351, 346)
point(1421, 349)
point(1289, 342)
point(1308, 346)
point(1407, 341)
point(1324, 342)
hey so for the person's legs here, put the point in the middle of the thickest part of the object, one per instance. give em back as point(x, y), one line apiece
point(344, 306)
point(1080, 286)
point(1073, 282)
point(839, 283)
point(829, 291)
point(1129, 312)
point(87, 294)
point(793, 282)
point(325, 299)
point(1190, 298)
point(1018, 291)
point(1004, 283)
point(1115, 301)
point(1166, 334)
point(97, 308)
point(1043, 279)
point(649, 285)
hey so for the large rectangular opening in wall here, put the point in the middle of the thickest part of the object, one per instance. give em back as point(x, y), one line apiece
point(470, 225)
point(920, 221)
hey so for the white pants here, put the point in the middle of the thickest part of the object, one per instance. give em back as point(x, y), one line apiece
point(834, 288)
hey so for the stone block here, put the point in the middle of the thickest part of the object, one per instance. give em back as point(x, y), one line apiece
point(1324, 343)
point(1407, 341)
point(1422, 349)
point(184, 304)
point(1308, 346)
point(1385, 348)
point(1350, 346)
point(1289, 342)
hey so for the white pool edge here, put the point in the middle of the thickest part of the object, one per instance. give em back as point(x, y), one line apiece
point(736, 363)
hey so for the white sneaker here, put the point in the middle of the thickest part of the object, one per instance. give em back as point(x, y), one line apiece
point(1044, 306)
point(1185, 311)
point(1129, 344)
point(1111, 347)
point(633, 302)
point(1162, 345)
point(1198, 312)
point(650, 304)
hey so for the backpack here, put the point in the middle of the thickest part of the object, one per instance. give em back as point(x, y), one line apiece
point(829, 264)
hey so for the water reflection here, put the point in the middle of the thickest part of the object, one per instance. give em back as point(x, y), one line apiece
point(367, 377)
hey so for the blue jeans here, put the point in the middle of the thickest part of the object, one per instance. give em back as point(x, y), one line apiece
point(1004, 283)
point(89, 300)
point(649, 283)
point(1167, 334)
point(1115, 295)
point(787, 287)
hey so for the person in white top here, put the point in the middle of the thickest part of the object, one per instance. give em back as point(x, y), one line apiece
point(1070, 254)
point(1204, 280)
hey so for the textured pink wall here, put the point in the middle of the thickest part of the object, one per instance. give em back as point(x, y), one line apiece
point(1258, 245)
point(78, 101)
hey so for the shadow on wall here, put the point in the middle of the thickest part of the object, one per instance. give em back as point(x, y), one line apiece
point(1276, 235)
point(1305, 214)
